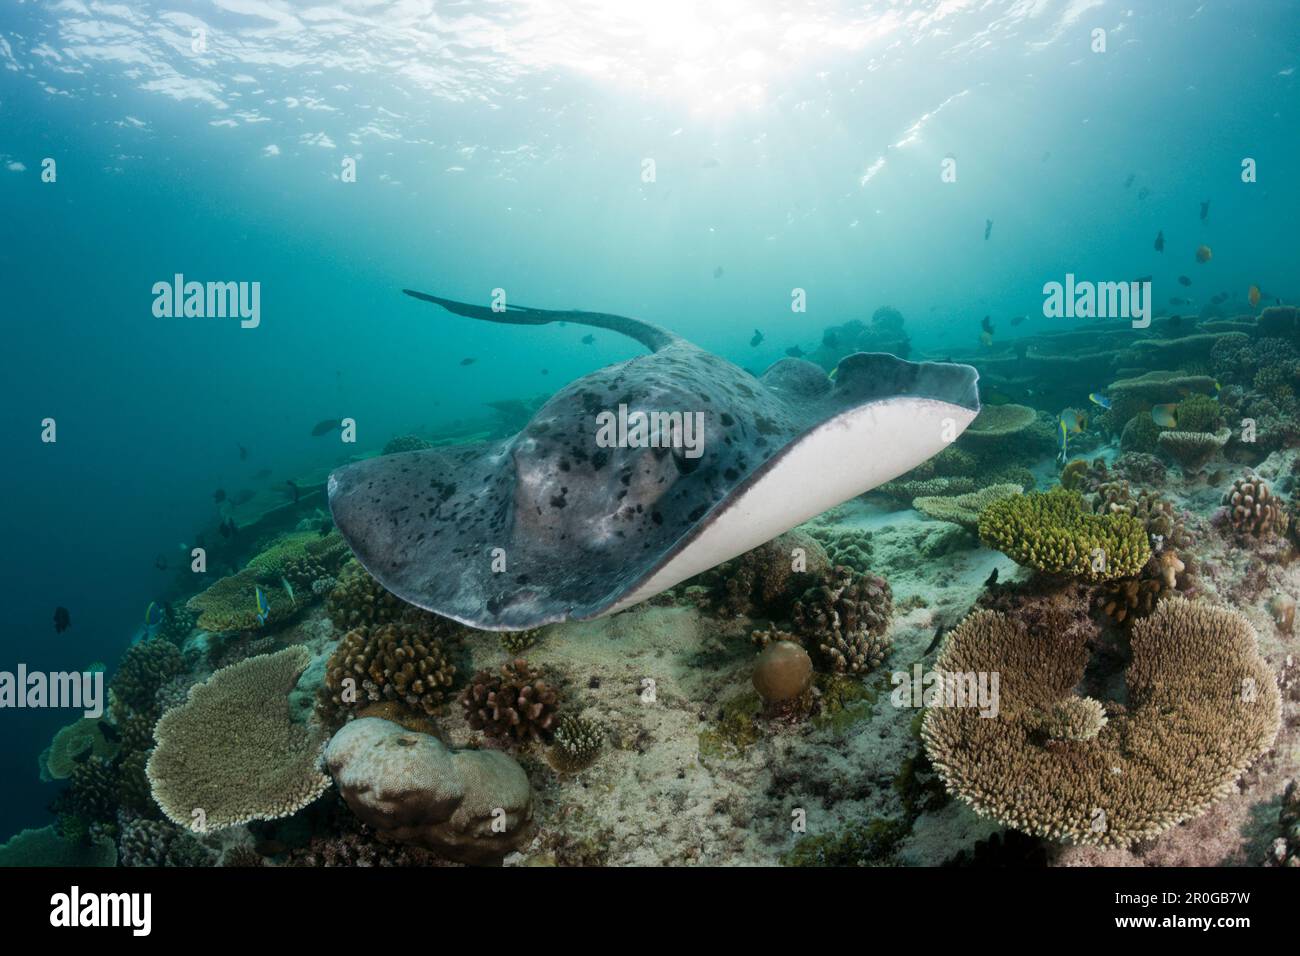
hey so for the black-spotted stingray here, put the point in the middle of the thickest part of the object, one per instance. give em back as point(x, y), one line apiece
point(550, 525)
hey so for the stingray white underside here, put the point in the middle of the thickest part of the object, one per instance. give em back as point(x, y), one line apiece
point(838, 460)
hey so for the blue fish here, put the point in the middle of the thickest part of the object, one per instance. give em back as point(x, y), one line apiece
point(1099, 399)
point(153, 615)
point(263, 606)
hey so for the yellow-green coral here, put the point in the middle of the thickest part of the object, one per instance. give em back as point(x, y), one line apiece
point(1053, 531)
point(231, 603)
point(964, 509)
point(1000, 421)
point(60, 758)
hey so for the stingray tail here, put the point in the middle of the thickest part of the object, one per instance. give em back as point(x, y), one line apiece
point(651, 336)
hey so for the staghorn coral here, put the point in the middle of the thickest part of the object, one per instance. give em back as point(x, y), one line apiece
point(1054, 532)
point(577, 744)
point(231, 754)
point(515, 704)
point(402, 661)
point(1253, 510)
point(846, 618)
point(358, 599)
point(1201, 706)
point(964, 510)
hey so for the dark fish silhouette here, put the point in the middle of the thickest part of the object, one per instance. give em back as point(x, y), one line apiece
point(987, 325)
point(228, 528)
point(243, 453)
point(1143, 193)
point(795, 352)
point(325, 427)
point(1205, 210)
point(988, 227)
point(992, 579)
point(160, 563)
point(939, 632)
point(1160, 241)
point(717, 273)
point(1129, 182)
point(62, 620)
point(1184, 280)
point(219, 495)
point(468, 361)
point(756, 340)
point(293, 490)
point(1016, 320)
point(108, 731)
point(588, 339)
point(545, 372)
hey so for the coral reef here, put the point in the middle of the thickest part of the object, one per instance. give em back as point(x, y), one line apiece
point(46, 847)
point(358, 599)
point(515, 704)
point(577, 744)
point(1253, 510)
point(472, 806)
point(403, 661)
point(965, 509)
point(1054, 532)
point(1192, 450)
point(783, 675)
point(1285, 849)
point(71, 744)
point(764, 581)
point(231, 603)
point(231, 754)
point(156, 843)
point(145, 667)
point(1201, 706)
point(846, 619)
point(400, 443)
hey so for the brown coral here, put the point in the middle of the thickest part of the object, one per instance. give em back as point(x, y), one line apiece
point(359, 600)
point(1253, 510)
point(515, 704)
point(403, 661)
point(846, 618)
point(764, 581)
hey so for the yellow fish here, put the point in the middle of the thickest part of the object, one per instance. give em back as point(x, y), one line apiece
point(1166, 416)
point(1253, 296)
point(1204, 254)
point(1073, 420)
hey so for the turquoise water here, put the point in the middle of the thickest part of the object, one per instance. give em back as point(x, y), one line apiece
point(503, 145)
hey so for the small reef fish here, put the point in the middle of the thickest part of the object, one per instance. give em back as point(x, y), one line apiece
point(153, 615)
point(588, 339)
point(243, 453)
point(1099, 399)
point(1166, 416)
point(1205, 210)
point(717, 273)
point(1204, 254)
point(1062, 441)
point(546, 371)
point(288, 589)
point(1160, 241)
point(1016, 320)
point(987, 325)
point(1175, 300)
point(325, 427)
point(219, 495)
point(986, 339)
point(756, 339)
point(1074, 420)
point(293, 490)
point(1253, 296)
point(468, 361)
point(1143, 193)
point(1129, 182)
point(795, 352)
point(992, 579)
point(939, 632)
point(62, 620)
point(263, 605)
point(1184, 280)
point(988, 227)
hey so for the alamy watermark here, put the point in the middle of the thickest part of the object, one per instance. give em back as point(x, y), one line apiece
point(624, 429)
point(209, 300)
point(922, 688)
point(74, 690)
point(1098, 300)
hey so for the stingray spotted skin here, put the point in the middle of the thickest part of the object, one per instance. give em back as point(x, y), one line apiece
point(585, 530)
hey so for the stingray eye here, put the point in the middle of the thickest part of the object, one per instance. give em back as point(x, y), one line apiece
point(685, 465)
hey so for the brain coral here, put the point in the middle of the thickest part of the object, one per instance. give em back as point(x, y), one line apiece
point(1201, 706)
point(232, 751)
point(1053, 531)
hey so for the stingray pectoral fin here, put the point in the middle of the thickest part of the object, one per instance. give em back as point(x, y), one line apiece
point(648, 334)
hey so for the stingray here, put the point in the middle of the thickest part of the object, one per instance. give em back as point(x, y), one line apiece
point(560, 523)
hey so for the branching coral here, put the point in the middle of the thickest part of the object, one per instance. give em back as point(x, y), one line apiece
point(965, 509)
point(403, 661)
point(1192, 450)
point(145, 667)
point(765, 580)
point(1201, 706)
point(1253, 510)
point(515, 704)
point(1054, 532)
point(578, 742)
point(846, 619)
point(231, 753)
point(358, 599)
point(1126, 599)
